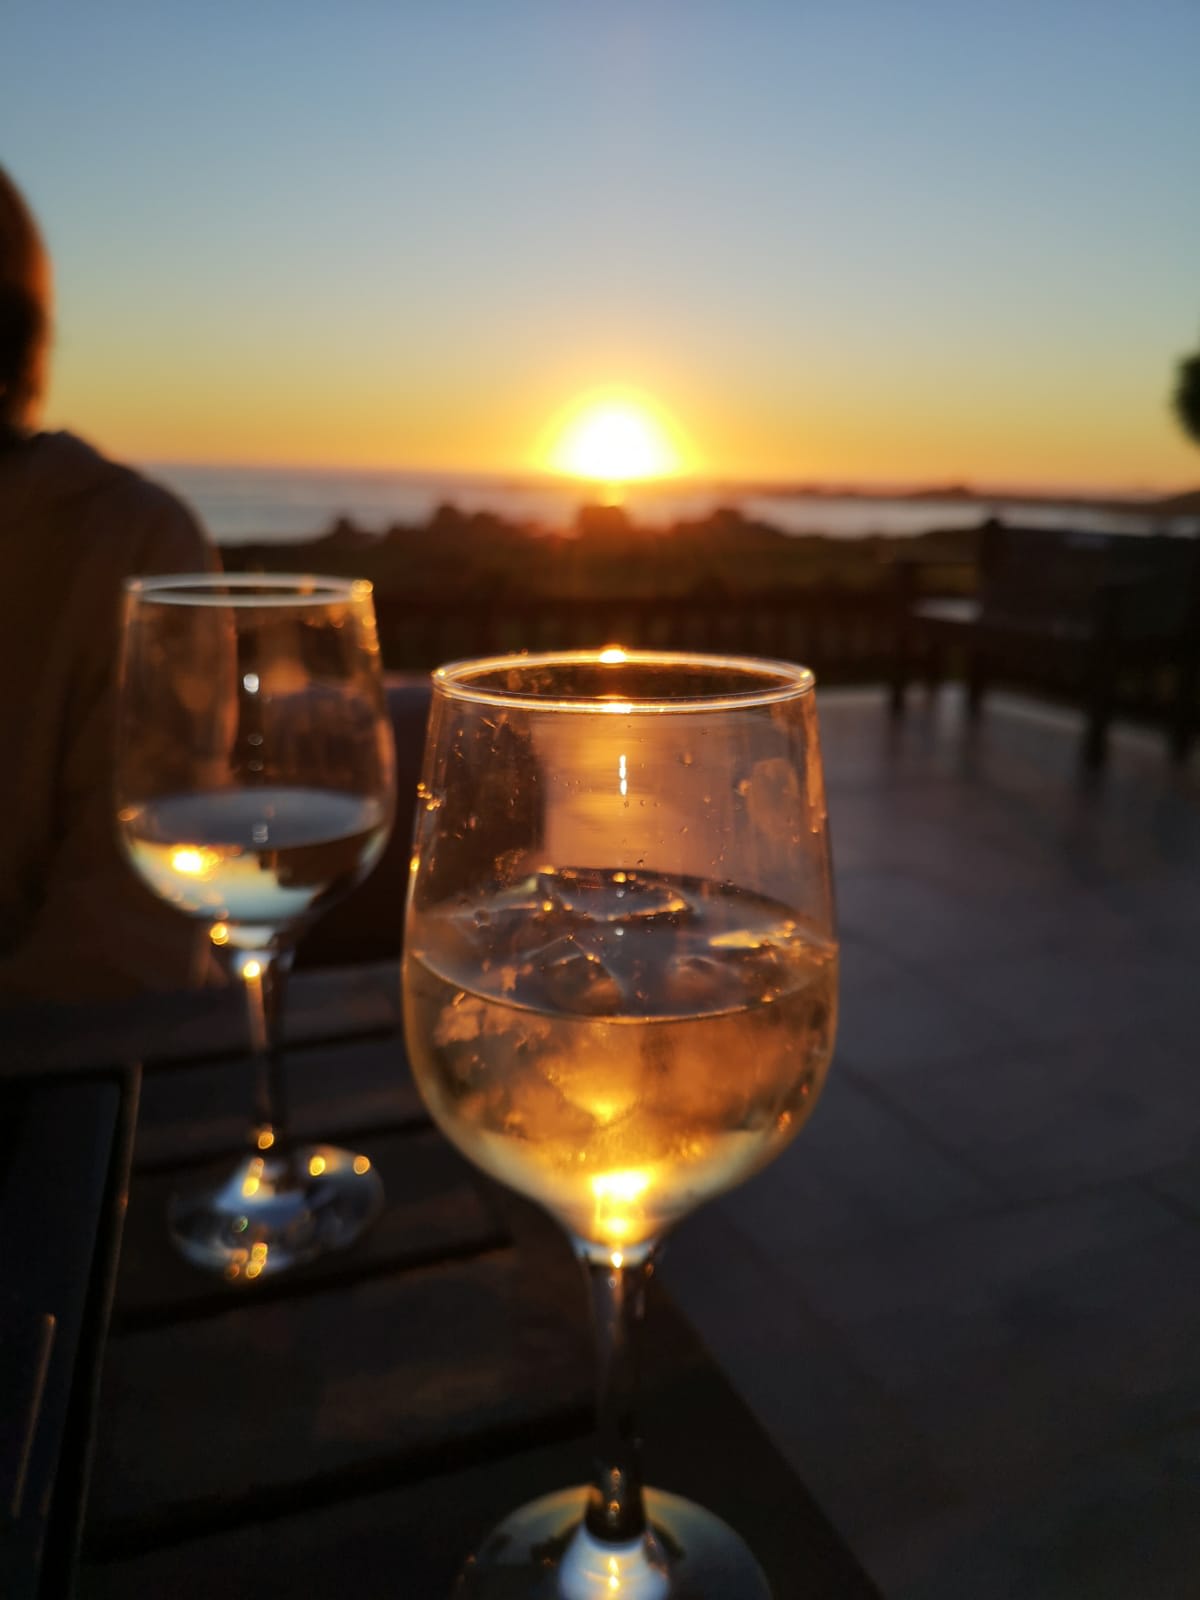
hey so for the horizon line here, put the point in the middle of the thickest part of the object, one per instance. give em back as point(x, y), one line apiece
point(766, 486)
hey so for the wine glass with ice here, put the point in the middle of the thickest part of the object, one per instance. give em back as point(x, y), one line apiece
point(255, 785)
point(620, 982)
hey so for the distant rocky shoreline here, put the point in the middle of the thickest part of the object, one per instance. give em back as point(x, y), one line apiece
point(1185, 503)
point(603, 555)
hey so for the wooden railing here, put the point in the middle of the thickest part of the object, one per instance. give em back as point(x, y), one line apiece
point(845, 634)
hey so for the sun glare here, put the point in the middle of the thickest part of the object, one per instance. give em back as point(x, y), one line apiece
point(613, 439)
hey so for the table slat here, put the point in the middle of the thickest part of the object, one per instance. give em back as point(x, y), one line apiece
point(334, 1090)
point(272, 1397)
point(411, 1540)
point(330, 1003)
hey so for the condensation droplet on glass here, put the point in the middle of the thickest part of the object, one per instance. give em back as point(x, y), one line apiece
point(686, 758)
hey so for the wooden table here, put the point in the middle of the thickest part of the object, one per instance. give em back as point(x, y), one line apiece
point(359, 1425)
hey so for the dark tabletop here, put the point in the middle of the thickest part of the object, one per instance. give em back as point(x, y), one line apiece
point(362, 1423)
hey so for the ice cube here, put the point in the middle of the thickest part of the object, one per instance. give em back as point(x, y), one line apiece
point(753, 965)
point(650, 902)
point(459, 1022)
point(575, 979)
point(696, 985)
point(535, 1108)
point(636, 898)
point(511, 924)
point(570, 886)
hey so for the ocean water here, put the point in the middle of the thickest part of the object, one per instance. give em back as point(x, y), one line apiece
point(240, 505)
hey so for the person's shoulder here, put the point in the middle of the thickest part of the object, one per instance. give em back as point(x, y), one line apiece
point(77, 467)
point(124, 505)
point(62, 466)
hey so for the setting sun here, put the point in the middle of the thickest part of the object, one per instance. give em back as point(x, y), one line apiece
point(613, 439)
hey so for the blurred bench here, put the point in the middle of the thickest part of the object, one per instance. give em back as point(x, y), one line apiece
point(1110, 622)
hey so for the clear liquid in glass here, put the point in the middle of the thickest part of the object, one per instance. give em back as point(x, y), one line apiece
point(619, 1046)
point(258, 858)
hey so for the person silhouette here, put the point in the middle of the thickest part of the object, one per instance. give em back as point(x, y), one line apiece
point(75, 923)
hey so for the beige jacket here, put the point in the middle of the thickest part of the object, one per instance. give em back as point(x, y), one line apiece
point(74, 922)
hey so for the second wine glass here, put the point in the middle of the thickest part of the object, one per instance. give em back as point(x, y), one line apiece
point(255, 778)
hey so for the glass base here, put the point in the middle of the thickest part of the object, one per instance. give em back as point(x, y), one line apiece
point(543, 1552)
point(276, 1212)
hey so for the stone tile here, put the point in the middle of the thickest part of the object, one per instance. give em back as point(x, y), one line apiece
point(988, 1399)
point(1015, 1344)
point(1074, 1535)
point(1163, 905)
point(861, 966)
point(1021, 741)
point(957, 922)
point(1089, 980)
point(861, 744)
point(892, 1016)
point(1094, 1109)
point(890, 828)
point(1000, 842)
point(860, 1454)
point(1180, 1186)
point(856, 1172)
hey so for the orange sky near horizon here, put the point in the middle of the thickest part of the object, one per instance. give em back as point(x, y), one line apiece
point(1066, 436)
point(1013, 412)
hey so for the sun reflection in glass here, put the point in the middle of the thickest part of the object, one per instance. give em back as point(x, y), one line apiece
point(192, 861)
point(618, 1197)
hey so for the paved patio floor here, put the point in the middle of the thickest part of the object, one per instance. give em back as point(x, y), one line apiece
point(966, 1301)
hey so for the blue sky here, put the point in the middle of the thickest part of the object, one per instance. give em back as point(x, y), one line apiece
point(872, 240)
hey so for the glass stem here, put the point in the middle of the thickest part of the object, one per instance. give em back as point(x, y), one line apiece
point(263, 974)
point(616, 1512)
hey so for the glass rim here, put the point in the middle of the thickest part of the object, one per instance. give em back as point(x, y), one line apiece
point(246, 589)
point(777, 681)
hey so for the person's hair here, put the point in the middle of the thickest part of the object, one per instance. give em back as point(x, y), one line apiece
point(24, 318)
